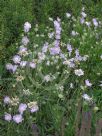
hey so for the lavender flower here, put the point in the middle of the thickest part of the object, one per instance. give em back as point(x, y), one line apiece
point(79, 72)
point(14, 68)
point(23, 63)
point(87, 82)
point(45, 48)
point(27, 27)
point(69, 63)
point(16, 59)
point(77, 52)
point(54, 50)
point(56, 24)
point(33, 106)
point(34, 109)
point(82, 20)
point(69, 48)
point(25, 40)
point(8, 117)
point(56, 43)
point(7, 100)
point(18, 118)
point(95, 22)
point(22, 108)
point(9, 66)
point(62, 56)
point(41, 56)
point(83, 14)
point(57, 29)
point(32, 65)
point(87, 97)
point(78, 57)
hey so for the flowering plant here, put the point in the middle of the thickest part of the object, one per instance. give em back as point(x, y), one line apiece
point(53, 72)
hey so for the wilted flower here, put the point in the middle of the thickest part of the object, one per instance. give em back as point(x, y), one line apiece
point(33, 106)
point(22, 108)
point(22, 50)
point(19, 78)
point(26, 92)
point(18, 118)
point(27, 27)
point(7, 100)
point(87, 82)
point(25, 40)
point(87, 97)
point(16, 59)
point(79, 72)
point(14, 101)
point(8, 117)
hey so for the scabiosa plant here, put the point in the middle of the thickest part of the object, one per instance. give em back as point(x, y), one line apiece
point(50, 74)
